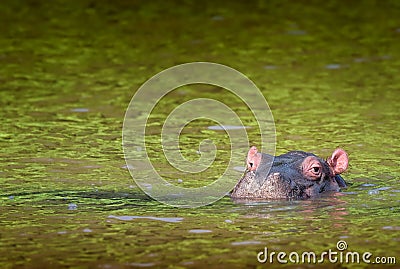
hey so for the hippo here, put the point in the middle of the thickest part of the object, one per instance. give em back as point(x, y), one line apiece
point(293, 175)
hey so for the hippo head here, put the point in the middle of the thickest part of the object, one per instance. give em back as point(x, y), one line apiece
point(294, 175)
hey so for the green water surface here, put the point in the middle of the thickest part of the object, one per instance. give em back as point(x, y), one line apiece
point(68, 69)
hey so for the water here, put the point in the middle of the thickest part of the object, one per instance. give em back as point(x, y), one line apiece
point(68, 72)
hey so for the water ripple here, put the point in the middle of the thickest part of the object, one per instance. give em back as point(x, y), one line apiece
point(128, 218)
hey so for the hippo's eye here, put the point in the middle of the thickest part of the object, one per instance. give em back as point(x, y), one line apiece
point(312, 168)
point(315, 169)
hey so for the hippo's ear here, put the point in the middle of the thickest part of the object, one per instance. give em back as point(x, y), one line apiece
point(253, 159)
point(339, 161)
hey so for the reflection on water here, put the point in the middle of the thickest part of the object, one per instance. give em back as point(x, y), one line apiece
point(225, 127)
point(330, 75)
point(146, 217)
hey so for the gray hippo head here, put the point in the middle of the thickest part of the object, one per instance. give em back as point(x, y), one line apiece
point(294, 175)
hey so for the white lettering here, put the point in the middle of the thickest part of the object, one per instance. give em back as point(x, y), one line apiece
point(309, 255)
point(330, 253)
point(271, 256)
point(281, 257)
point(260, 254)
point(297, 260)
point(321, 260)
point(366, 256)
point(330, 256)
point(353, 255)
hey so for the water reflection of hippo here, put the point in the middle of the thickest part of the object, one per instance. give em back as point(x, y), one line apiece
point(294, 175)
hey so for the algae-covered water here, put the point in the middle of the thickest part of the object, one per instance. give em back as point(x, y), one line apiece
point(328, 69)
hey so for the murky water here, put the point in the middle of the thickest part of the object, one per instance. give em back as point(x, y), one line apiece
point(68, 72)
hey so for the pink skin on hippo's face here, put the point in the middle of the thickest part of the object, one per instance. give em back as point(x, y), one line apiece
point(312, 167)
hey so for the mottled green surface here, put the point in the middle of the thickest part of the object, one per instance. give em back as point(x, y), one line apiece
point(329, 70)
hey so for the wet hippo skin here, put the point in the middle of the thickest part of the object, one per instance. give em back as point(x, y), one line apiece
point(294, 175)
